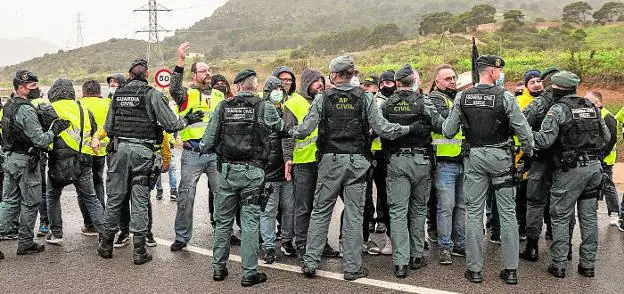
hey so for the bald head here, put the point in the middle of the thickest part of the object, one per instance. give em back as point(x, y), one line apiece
point(595, 97)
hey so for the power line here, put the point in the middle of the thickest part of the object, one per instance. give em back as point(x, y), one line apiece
point(79, 37)
point(153, 28)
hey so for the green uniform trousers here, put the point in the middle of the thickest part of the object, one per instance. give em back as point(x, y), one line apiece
point(338, 173)
point(408, 186)
point(571, 188)
point(21, 197)
point(237, 182)
point(485, 166)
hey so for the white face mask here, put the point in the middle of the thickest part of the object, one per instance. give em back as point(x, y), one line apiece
point(112, 90)
point(501, 80)
point(276, 96)
point(355, 82)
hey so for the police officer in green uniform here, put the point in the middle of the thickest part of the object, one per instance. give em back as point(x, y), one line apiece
point(540, 172)
point(135, 122)
point(490, 116)
point(343, 115)
point(238, 132)
point(577, 132)
point(22, 140)
point(409, 170)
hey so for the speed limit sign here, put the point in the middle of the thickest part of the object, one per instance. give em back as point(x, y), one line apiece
point(163, 78)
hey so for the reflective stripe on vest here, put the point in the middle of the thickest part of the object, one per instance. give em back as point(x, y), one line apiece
point(197, 101)
point(69, 110)
point(99, 107)
point(305, 150)
point(609, 159)
point(447, 147)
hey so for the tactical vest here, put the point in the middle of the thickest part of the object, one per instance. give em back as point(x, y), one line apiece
point(99, 107)
point(484, 119)
point(13, 138)
point(610, 158)
point(406, 108)
point(131, 120)
point(274, 171)
point(583, 133)
point(343, 127)
point(444, 147)
point(305, 150)
point(243, 138)
point(78, 131)
point(195, 101)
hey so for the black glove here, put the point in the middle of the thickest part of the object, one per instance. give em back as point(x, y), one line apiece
point(194, 117)
point(59, 126)
point(419, 129)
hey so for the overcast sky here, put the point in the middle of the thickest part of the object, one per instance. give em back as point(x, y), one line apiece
point(54, 20)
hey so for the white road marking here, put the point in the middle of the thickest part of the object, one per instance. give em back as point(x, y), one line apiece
point(325, 274)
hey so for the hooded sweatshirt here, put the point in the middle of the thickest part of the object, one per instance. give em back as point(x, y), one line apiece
point(62, 89)
point(309, 76)
point(217, 78)
point(285, 69)
point(274, 171)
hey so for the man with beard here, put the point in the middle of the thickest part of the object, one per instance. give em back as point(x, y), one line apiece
point(540, 173)
point(449, 172)
point(199, 97)
point(304, 164)
point(23, 140)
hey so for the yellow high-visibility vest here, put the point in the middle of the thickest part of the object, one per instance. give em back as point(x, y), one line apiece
point(69, 110)
point(99, 107)
point(305, 150)
point(447, 147)
point(197, 101)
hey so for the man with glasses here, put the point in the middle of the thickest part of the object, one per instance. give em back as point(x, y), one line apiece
point(22, 140)
point(449, 172)
point(198, 97)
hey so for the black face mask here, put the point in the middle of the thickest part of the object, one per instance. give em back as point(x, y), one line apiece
point(518, 93)
point(388, 91)
point(559, 93)
point(536, 94)
point(222, 88)
point(34, 94)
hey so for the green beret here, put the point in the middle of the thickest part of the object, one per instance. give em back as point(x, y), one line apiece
point(491, 60)
point(341, 63)
point(404, 72)
point(241, 76)
point(566, 80)
point(548, 71)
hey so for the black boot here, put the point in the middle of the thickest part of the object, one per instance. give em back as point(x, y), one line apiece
point(105, 247)
point(509, 276)
point(556, 272)
point(531, 250)
point(586, 272)
point(140, 254)
point(400, 271)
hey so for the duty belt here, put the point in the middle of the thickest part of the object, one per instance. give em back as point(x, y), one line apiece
point(409, 151)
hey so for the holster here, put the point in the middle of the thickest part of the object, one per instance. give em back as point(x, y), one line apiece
point(252, 196)
point(35, 157)
point(156, 170)
point(112, 146)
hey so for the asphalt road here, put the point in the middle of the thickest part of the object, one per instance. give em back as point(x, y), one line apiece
point(75, 267)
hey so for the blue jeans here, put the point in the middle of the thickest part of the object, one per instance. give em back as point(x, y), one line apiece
point(281, 197)
point(173, 181)
point(193, 165)
point(451, 217)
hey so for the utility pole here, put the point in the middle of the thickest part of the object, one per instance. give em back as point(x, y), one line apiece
point(79, 38)
point(153, 28)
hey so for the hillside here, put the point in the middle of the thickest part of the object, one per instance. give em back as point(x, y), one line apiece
point(243, 27)
point(19, 50)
